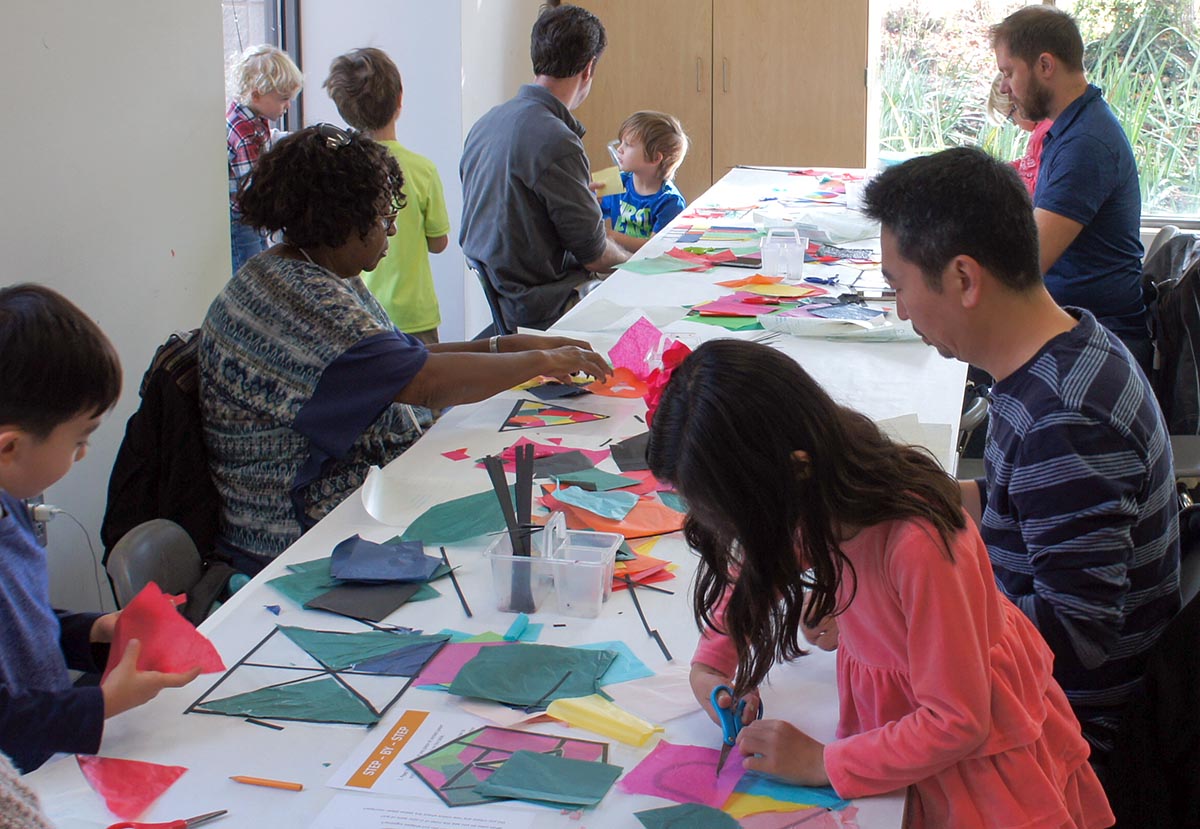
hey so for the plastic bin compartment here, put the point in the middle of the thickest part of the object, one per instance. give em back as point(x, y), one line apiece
point(578, 567)
point(583, 572)
point(521, 583)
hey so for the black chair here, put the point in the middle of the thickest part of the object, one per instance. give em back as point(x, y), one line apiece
point(499, 325)
point(1155, 763)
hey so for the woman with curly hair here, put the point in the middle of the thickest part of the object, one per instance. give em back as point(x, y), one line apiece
point(810, 522)
point(304, 381)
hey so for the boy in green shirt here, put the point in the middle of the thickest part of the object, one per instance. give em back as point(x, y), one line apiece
point(365, 86)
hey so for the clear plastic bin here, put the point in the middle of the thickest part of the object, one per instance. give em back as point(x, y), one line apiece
point(576, 565)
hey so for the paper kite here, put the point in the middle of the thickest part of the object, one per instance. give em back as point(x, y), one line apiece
point(321, 676)
point(455, 768)
point(532, 414)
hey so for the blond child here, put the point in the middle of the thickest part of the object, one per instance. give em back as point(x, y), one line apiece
point(263, 83)
point(652, 146)
point(365, 85)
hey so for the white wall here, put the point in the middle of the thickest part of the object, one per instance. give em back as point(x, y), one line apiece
point(423, 40)
point(457, 61)
point(114, 194)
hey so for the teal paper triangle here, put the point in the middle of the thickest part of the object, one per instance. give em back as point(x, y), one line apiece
point(321, 700)
point(341, 650)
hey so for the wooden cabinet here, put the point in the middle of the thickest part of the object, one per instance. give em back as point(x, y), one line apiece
point(778, 82)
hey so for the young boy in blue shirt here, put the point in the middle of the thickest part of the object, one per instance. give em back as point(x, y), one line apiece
point(652, 146)
point(59, 377)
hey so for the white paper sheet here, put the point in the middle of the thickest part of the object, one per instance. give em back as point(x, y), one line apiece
point(347, 811)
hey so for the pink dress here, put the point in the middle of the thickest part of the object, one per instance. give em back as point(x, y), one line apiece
point(1029, 164)
point(944, 685)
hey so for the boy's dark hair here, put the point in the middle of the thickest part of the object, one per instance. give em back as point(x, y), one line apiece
point(56, 364)
point(565, 39)
point(365, 85)
point(724, 434)
point(659, 133)
point(959, 201)
point(1033, 30)
point(321, 184)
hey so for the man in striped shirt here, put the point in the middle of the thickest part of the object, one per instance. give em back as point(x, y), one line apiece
point(1078, 504)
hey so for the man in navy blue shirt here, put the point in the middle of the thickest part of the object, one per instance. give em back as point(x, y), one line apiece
point(1088, 201)
point(1077, 506)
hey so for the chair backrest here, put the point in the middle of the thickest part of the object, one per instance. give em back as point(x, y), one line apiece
point(1175, 327)
point(489, 293)
point(158, 551)
point(161, 469)
point(1165, 234)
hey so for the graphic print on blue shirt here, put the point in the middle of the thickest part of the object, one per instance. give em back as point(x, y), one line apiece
point(641, 216)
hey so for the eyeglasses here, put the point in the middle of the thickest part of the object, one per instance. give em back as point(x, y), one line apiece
point(335, 137)
point(388, 221)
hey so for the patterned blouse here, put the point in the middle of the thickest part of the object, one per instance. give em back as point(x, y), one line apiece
point(299, 370)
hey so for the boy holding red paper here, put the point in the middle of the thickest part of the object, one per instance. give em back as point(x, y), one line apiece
point(59, 377)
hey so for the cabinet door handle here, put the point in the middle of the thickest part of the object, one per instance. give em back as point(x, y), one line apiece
point(699, 67)
point(724, 74)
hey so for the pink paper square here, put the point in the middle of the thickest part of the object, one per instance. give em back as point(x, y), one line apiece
point(685, 774)
point(446, 664)
point(457, 454)
point(637, 348)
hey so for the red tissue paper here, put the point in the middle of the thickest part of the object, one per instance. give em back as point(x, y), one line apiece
point(127, 786)
point(169, 642)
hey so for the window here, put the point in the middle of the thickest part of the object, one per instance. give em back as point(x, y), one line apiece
point(247, 22)
point(936, 67)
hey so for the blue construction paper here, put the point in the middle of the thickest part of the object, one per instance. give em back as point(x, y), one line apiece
point(759, 784)
point(402, 662)
point(614, 504)
point(686, 816)
point(357, 559)
point(624, 668)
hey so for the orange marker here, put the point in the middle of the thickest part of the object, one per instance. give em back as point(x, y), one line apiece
point(270, 784)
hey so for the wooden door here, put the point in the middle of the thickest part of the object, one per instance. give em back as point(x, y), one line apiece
point(659, 56)
point(789, 83)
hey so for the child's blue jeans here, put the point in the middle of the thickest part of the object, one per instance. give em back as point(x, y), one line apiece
point(246, 241)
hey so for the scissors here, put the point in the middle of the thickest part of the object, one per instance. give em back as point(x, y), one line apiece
point(731, 721)
point(171, 824)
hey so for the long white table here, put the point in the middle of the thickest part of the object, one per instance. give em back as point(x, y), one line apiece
point(883, 380)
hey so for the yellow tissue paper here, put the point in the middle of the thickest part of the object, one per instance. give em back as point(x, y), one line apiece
point(740, 805)
point(595, 713)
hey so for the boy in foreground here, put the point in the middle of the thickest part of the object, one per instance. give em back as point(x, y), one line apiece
point(59, 377)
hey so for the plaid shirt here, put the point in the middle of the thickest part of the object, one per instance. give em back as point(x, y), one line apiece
point(248, 137)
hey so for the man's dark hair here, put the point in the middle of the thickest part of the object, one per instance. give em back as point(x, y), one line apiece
point(56, 364)
point(318, 190)
point(1033, 30)
point(365, 85)
point(959, 202)
point(565, 40)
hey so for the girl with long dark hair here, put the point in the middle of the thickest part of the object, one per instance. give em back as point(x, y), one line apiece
point(809, 521)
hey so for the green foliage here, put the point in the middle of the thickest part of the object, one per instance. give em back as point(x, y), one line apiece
point(935, 74)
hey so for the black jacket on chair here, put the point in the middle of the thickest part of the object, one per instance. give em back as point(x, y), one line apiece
point(161, 469)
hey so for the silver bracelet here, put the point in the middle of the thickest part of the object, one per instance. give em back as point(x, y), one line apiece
point(494, 344)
